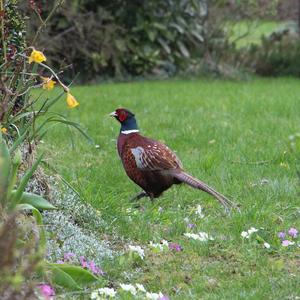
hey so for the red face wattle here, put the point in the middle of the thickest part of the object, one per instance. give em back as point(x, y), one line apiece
point(121, 114)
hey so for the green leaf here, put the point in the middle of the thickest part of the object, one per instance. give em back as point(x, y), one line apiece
point(35, 200)
point(185, 52)
point(17, 195)
point(79, 275)
point(5, 169)
point(59, 277)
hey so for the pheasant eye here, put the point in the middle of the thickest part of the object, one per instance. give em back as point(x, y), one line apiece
point(122, 116)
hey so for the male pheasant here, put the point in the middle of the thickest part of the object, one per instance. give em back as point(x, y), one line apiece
point(151, 164)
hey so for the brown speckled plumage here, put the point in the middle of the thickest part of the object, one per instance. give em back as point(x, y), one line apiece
point(151, 164)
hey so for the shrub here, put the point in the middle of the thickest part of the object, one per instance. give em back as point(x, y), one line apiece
point(119, 38)
point(278, 55)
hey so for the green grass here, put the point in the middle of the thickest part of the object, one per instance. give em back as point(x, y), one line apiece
point(250, 32)
point(249, 122)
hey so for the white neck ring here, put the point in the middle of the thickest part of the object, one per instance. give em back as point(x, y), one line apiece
point(129, 131)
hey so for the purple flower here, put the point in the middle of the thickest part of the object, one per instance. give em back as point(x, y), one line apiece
point(68, 256)
point(281, 235)
point(47, 291)
point(60, 262)
point(191, 225)
point(83, 262)
point(164, 297)
point(94, 269)
point(174, 246)
point(293, 232)
point(287, 243)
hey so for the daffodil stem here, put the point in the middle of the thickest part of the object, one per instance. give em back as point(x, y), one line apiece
point(66, 89)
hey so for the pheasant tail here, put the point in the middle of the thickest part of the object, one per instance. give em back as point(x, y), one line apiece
point(198, 184)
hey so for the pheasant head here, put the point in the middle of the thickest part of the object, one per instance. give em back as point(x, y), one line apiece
point(127, 120)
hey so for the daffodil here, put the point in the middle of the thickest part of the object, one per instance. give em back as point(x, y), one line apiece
point(71, 101)
point(3, 130)
point(48, 84)
point(36, 56)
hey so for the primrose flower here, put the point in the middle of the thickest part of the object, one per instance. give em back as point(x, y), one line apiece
point(71, 101)
point(190, 225)
point(36, 56)
point(281, 235)
point(157, 246)
point(293, 232)
point(201, 236)
point(245, 234)
point(3, 130)
point(174, 246)
point(140, 287)
point(68, 256)
point(48, 83)
point(128, 288)
point(94, 269)
point(83, 261)
point(138, 249)
point(46, 291)
point(154, 296)
point(199, 211)
point(107, 292)
point(252, 230)
point(287, 243)
point(267, 245)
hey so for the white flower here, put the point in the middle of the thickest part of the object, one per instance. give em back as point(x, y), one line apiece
point(107, 292)
point(186, 220)
point(252, 230)
point(204, 236)
point(164, 243)
point(138, 249)
point(154, 296)
point(201, 236)
point(160, 246)
point(128, 288)
point(245, 234)
point(140, 287)
point(267, 245)
point(95, 295)
point(199, 211)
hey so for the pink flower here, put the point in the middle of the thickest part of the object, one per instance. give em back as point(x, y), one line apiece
point(83, 261)
point(287, 243)
point(94, 269)
point(293, 232)
point(174, 246)
point(47, 291)
point(164, 297)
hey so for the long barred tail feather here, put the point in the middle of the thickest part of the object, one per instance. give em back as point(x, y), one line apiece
point(198, 184)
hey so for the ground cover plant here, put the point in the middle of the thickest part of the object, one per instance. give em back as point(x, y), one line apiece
point(240, 137)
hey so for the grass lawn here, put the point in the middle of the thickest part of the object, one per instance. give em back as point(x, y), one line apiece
point(252, 31)
point(232, 135)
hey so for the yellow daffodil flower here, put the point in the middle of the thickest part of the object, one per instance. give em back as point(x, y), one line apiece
point(48, 84)
point(36, 56)
point(3, 130)
point(71, 101)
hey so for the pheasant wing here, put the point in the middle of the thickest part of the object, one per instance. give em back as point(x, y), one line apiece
point(155, 156)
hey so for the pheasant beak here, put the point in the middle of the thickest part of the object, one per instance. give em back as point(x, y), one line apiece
point(113, 114)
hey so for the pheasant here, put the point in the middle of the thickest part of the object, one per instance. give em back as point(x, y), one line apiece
point(151, 164)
